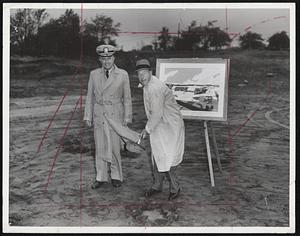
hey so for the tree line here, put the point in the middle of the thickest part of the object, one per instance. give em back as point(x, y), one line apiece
point(30, 34)
point(194, 38)
point(213, 38)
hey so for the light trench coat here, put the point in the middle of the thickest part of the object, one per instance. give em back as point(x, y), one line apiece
point(111, 97)
point(165, 125)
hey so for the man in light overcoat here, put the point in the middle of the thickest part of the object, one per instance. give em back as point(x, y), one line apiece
point(165, 127)
point(108, 94)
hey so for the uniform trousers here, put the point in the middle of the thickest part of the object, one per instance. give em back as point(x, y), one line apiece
point(103, 166)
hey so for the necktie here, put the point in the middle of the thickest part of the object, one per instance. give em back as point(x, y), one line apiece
point(107, 73)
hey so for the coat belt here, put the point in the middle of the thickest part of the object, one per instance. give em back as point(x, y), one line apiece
point(109, 102)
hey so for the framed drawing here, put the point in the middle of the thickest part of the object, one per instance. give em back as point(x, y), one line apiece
point(200, 85)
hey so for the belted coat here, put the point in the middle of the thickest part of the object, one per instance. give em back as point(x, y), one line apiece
point(111, 97)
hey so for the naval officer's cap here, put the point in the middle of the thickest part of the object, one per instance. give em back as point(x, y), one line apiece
point(106, 50)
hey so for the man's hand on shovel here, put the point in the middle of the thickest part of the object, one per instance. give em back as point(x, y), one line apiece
point(88, 123)
point(143, 135)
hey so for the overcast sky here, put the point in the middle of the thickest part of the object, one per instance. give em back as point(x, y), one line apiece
point(152, 20)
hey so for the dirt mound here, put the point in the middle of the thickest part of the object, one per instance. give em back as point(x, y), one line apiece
point(153, 214)
point(72, 144)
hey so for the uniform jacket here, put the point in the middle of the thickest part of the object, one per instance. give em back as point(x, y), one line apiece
point(165, 124)
point(111, 97)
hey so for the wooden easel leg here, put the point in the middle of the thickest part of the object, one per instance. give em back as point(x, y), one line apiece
point(211, 172)
point(216, 147)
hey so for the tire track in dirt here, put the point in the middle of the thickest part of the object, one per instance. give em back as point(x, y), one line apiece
point(269, 118)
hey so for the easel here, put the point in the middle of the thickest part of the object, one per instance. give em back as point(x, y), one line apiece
point(211, 172)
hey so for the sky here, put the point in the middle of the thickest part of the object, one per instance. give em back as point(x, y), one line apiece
point(152, 20)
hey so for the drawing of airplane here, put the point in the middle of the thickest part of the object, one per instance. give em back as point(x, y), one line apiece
point(194, 97)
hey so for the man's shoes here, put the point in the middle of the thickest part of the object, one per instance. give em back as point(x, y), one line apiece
point(116, 183)
point(174, 195)
point(151, 192)
point(97, 184)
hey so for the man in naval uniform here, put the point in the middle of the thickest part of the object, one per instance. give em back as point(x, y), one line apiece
point(165, 127)
point(108, 95)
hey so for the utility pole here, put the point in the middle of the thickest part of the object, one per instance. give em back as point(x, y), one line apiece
point(226, 20)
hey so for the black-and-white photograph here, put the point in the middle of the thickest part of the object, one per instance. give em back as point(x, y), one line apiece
point(149, 117)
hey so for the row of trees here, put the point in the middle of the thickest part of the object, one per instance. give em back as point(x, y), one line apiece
point(277, 41)
point(195, 37)
point(31, 34)
point(211, 37)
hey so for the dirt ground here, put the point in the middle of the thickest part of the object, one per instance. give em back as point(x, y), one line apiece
point(252, 190)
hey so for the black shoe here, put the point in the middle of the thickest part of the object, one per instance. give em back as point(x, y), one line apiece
point(151, 192)
point(116, 183)
point(174, 195)
point(97, 184)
